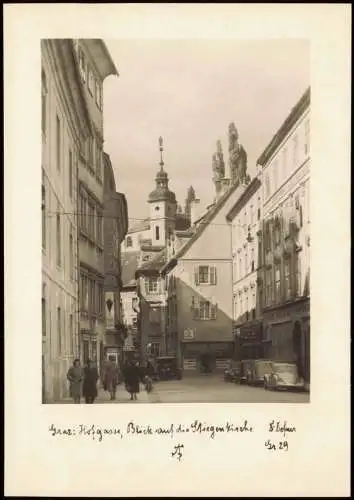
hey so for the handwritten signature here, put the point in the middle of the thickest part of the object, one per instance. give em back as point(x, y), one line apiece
point(178, 451)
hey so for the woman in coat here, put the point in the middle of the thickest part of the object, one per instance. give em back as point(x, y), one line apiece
point(75, 377)
point(132, 379)
point(90, 382)
point(111, 376)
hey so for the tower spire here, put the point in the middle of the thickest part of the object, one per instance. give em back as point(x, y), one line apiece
point(161, 153)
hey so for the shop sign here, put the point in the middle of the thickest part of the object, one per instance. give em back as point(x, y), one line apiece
point(188, 334)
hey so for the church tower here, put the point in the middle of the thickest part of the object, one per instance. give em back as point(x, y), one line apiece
point(163, 206)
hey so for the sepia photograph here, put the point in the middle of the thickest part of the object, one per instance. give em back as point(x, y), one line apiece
point(175, 221)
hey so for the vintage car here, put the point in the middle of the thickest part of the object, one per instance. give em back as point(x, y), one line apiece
point(258, 370)
point(167, 368)
point(283, 376)
point(233, 372)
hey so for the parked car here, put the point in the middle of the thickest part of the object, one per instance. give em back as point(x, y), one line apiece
point(283, 376)
point(232, 372)
point(258, 370)
point(167, 368)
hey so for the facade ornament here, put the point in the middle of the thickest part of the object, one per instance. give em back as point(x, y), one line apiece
point(237, 158)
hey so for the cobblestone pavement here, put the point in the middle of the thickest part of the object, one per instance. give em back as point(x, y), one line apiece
point(202, 389)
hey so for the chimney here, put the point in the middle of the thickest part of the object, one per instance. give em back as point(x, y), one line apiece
point(195, 210)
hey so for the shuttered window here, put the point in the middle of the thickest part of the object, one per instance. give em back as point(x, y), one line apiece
point(205, 275)
point(203, 309)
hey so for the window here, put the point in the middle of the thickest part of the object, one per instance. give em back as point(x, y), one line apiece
point(298, 279)
point(129, 242)
point(268, 286)
point(86, 351)
point(246, 263)
point(44, 224)
point(157, 233)
point(247, 308)
point(307, 137)
point(99, 227)
point(71, 333)
point(91, 80)
point(252, 260)
point(235, 307)
point(71, 173)
point(58, 240)
point(205, 275)
point(98, 162)
point(92, 296)
point(44, 312)
point(240, 268)
point(71, 254)
point(287, 284)
point(100, 298)
point(135, 322)
point(275, 174)
point(241, 305)
point(295, 150)
point(91, 220)
point(277, 233)
point(98, 94)
point(277, 284)
point(285, 162)
point(59, 330)
point(94, 351)
point(152, 285)
point(44, 103)
point(58, 143)
point(206, 310)
point(82, 65)
point(84, 293)
point(155, 349)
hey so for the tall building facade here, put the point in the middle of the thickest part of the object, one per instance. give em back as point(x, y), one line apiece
point(285, 170)
point(245, 218)
point(115, 227)
point(198, 276)
point(95, 65)
point(65, 126)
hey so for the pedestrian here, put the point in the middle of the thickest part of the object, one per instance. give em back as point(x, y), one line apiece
point(132, 379)
point(111, 377)
point(90, 382)
point(75, 376)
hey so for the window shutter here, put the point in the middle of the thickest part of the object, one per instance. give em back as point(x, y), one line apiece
point(196, 275)
point(196, 308)
point(213, 310)
point(213, 275)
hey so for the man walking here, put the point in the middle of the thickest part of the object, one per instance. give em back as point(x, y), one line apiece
point(111, 377)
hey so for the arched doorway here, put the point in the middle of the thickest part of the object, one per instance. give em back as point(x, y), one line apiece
point(297, 347)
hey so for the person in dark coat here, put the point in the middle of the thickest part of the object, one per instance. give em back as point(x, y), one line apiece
point(132, 379)
point(90, 382)
point(75, 376)
point(111, 376)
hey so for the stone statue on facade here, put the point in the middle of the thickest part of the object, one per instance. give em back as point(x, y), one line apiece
point(237, 157)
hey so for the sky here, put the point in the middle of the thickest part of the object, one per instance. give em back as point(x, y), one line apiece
point(188, 92)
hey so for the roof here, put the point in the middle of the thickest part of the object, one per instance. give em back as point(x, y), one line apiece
point(143, 225)
point(204, 222)
point(130, 262)
point(154, 264)
point(249, 191)
point(290, 121)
